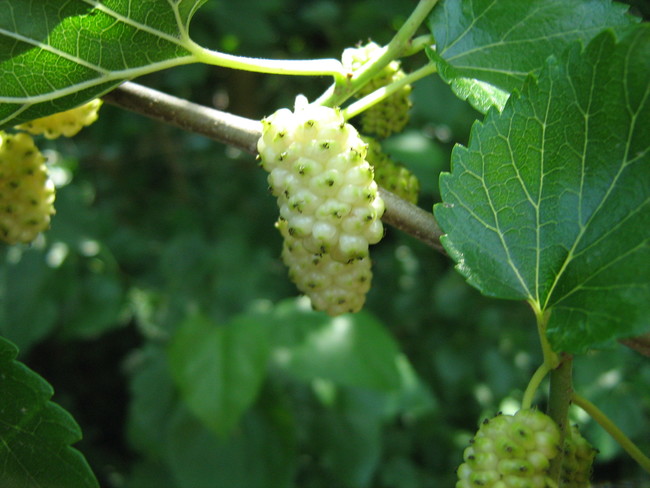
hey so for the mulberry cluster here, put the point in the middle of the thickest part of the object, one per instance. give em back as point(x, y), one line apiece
point(578, 459)
point(26, 192)
point(511, 451)
point(67, 123)
point(391, 114)
point(330, 209)
point(390, 175)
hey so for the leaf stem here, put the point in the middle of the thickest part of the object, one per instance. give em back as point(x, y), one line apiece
point(302, 67)
point(533, 385)
point(417, 44)
point(386, 91)
point(605, 422)
point(550, 358)
point(542, 316)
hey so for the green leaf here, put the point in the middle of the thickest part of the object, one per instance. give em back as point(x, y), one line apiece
point(147, 474)
point(550, 202)
point(219, 370)
point(94, 304)
point(260, 454)
point(28, 311)
point(349, 350)
point(153, 398)
point(499, 43)
point(348, 437)
point(56, 55)
point(480, 94)
point(35, 434)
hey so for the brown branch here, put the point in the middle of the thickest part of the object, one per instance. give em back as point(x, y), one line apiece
point(640, 344)
point(411, 219)
point(221, 126)
point(243, 134)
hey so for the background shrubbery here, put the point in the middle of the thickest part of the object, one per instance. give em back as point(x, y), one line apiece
point(159, 231)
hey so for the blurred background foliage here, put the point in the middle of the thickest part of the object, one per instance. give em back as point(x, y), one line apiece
point(159, 310)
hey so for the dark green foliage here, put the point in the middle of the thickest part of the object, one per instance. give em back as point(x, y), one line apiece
point(35, 434)
point(160, 232)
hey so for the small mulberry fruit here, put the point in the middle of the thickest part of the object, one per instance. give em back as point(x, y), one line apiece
point(392, 176)
point(26, 192)
point(511, 451)
point(391, 114)
point(578, 460)
point(67, 123)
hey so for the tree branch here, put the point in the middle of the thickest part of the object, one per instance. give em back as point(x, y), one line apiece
point(230, 129)
point(243, 134)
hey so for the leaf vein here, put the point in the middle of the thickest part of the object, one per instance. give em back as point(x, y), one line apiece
point(499, 231)
point(53, 50)
point(121, 75)
point(137, 25)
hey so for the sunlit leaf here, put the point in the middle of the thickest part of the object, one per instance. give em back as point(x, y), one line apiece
point(55, 55)
point(480, 94)
point(500, 42)
point(550, 202)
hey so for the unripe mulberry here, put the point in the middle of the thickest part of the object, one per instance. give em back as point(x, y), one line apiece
point(67, 123)
point(26, 192)
point(325, 187)
point(577, 462)
point(333, 287)
point(511, 451)
point(392, 176)
point(391, 114)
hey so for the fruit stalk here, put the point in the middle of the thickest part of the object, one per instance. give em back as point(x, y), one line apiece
point(386, 91)
point(624, 441)
point(340, 91)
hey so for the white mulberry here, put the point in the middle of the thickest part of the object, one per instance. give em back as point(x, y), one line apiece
point(67, 123)
point(26, 192)
point(324, 185)
point(332, 286)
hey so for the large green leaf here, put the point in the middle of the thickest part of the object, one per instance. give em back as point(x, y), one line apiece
point(350, 350)
point(219, 370)
point(480, 43)
point(153, 398)
point(55, 55)
point(26, 297)
point(260, 454)
point(348, 436)
point(550, 202)
point(35, 433)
